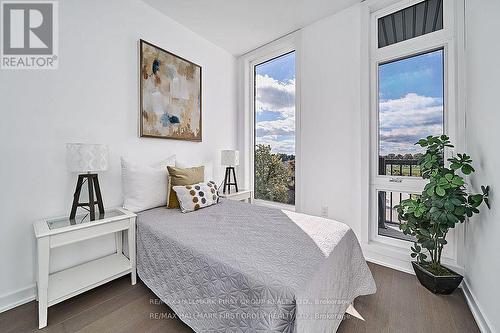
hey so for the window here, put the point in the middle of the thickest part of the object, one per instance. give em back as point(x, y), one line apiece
point(274, 130)
point(409, 101)
point(410, 107)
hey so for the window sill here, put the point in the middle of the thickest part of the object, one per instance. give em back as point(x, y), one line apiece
point(276, 205)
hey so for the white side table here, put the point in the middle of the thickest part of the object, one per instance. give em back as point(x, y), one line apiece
point(51, 233)
point(241, 195)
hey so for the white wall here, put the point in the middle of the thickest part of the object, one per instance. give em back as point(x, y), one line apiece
point(330, 117)
point(92, 97)
point(483, 120)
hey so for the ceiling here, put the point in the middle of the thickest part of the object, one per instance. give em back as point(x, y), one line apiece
point(239, 26)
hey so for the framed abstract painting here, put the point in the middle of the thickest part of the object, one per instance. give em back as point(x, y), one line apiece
point(170, 95)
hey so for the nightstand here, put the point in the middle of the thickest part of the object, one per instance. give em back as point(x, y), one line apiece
point(53, 288)
point(241, 195)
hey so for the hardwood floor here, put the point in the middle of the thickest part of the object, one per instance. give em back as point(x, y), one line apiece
point(400, 305)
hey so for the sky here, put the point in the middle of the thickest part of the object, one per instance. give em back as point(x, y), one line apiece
point(410, 102)
point(275, 104)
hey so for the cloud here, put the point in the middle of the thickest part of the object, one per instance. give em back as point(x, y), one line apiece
point(405, 120)
point(279, 144)
point(275, 96)
point(409, 135)
point(284, 126)
point(409, 102)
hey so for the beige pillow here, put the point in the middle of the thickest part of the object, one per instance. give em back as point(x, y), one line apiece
point(182, 176)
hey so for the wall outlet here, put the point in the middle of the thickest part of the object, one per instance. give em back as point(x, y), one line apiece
point(324, 211)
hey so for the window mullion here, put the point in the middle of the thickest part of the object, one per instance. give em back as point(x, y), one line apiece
point(405, 48)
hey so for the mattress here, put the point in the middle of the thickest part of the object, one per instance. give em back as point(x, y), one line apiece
point(236, 267)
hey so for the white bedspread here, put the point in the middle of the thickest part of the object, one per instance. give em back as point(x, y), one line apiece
point(236, 267)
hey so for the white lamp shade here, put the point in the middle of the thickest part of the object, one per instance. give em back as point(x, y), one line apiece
point(86, 157)
point(230, 157)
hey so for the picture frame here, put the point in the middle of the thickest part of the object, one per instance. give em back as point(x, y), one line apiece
point(170, 95)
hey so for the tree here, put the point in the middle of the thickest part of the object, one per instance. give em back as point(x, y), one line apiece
point(418, 156)
point(408, 157)
point(272, 176)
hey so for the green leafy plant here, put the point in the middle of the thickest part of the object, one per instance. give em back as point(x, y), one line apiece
point(443, 203)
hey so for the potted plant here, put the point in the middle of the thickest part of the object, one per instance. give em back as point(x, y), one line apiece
point(429, 216)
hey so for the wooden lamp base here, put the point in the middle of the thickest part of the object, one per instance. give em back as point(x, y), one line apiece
point(93, 186)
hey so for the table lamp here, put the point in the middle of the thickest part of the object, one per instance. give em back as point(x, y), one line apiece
point(87, 159)
point(230, 158)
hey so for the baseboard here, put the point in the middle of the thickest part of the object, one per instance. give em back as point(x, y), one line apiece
point(16, 298)
point(482, 322)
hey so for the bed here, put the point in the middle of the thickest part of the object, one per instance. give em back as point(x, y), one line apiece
point(236, 267)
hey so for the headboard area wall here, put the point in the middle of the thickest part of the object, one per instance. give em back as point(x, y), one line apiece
point(93, 97)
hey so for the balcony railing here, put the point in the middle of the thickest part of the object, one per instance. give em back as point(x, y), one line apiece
point(398, 167)
point(388, 222)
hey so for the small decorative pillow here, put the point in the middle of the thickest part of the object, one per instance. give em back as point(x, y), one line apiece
point(196, 196)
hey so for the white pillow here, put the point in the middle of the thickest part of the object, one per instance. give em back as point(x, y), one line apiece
point(145, 186)
point(209, 170)
point(196, 196)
